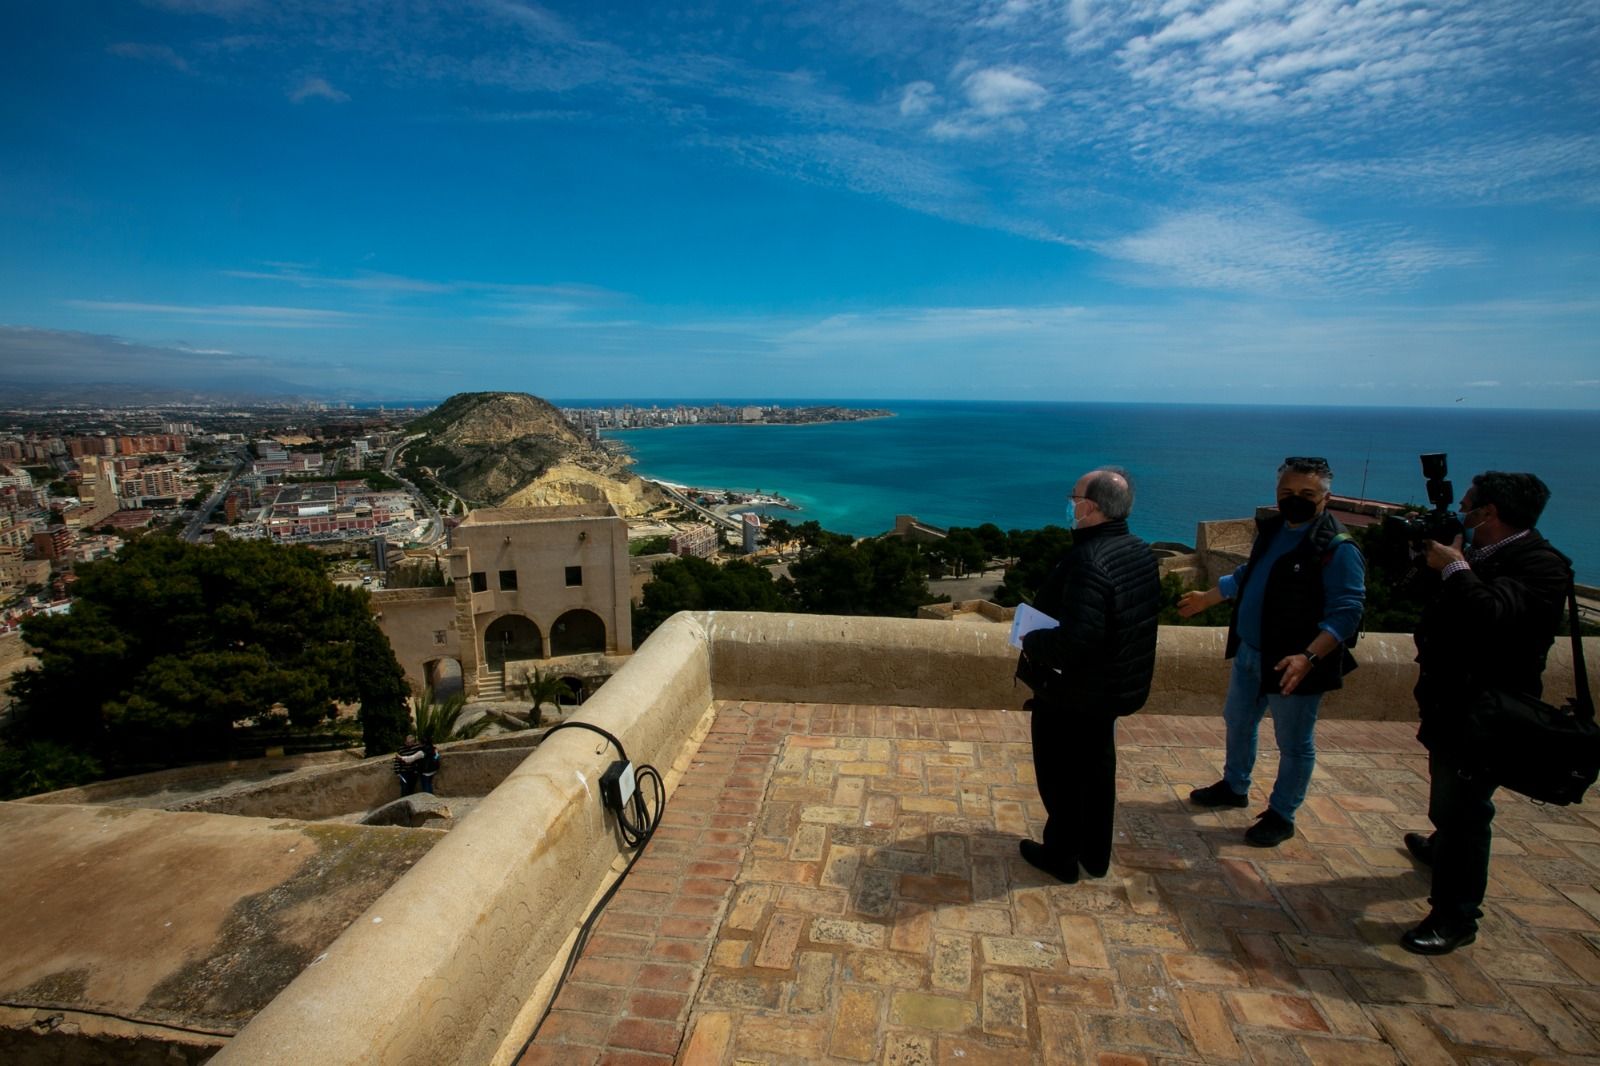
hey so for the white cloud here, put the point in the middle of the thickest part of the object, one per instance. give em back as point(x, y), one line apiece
point(1483, 384)
point(314, 88)
point(919, 98)
point(995, 92)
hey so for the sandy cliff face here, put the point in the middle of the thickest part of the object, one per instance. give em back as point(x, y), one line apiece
point(512, 449)
point(566, 484)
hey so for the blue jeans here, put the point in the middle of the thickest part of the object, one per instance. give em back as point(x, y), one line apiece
point(1294, 722)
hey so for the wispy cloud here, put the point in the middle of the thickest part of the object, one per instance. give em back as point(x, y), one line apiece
point(315, 88)
point(160, 54)
point(243, 314)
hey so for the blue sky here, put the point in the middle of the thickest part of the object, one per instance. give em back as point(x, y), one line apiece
point(1366, 202)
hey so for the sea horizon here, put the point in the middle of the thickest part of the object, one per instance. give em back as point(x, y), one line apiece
point(963, 463)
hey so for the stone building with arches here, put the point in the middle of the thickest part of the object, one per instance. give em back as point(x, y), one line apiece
point(531, 587)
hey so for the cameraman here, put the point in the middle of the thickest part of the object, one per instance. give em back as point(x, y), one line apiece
point(1489, 625)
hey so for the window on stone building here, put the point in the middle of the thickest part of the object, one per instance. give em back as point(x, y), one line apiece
point(480, 581)
point(440, 636)
point(508, 581)
point(574, 576)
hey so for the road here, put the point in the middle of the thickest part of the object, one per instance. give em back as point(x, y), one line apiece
point(191, 532)
point(710, 516)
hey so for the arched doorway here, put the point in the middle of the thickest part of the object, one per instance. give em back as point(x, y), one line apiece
point(576, 632)
point(444, 677)
point(511, 638)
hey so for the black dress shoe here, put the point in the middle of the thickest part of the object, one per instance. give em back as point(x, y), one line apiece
point(1064, 870)
point(1420, 845)
point(1218, 795)
point(1430, 938)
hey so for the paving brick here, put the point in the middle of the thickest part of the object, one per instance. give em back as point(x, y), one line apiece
point(811, 991)
point(1084, 944)
point(1489, 1029)
point(1417, 1044)
point(1205, 1017)
point(887, 968)
point(918, 1010)
point(856, 1025)
point(646, 1034)
point(1277, 1011)
point(1005, 1005)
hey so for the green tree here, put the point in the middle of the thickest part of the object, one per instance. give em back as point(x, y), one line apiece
point(650, 545)
point(885, 576)
point(1036, 551)
point(539, 687)
point(778, 531)
point(43, 766)
point(171, 646)
point(415, 574)
point(1173, 587)
point(691, 584)
point(440, 720)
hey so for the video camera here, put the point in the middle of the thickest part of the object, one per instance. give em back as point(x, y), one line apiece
point(1440, 524)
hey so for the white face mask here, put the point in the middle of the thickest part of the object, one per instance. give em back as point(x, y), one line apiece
point(1072, 514)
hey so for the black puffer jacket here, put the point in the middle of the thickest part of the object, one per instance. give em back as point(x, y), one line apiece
point(1105, 593)
point(1489, 627)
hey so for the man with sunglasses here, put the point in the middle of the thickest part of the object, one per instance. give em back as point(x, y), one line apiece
point(1297, 604)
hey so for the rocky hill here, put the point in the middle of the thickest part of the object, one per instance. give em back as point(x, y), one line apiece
point(510, 448)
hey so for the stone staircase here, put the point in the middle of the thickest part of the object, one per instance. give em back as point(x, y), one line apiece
point(491, 683)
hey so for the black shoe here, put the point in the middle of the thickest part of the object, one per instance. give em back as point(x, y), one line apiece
point(1270, 830)
point(1064, 871)
point(1436, 938)
point(1218, 795)
point(1420, 845)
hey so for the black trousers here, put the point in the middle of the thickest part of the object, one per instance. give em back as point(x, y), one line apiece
point(1075, 761)
point(1462, 810)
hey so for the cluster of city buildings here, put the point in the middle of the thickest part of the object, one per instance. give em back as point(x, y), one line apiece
point(70, 496)
point(626, 416)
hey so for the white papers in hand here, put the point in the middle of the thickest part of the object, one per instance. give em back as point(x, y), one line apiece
point(1026, 620)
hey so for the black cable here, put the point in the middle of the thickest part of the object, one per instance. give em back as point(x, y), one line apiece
point(636, 833)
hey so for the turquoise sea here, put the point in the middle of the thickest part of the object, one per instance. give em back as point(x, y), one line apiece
point(1013, 463)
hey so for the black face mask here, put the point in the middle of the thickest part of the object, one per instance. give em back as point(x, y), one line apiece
point(1297, 509)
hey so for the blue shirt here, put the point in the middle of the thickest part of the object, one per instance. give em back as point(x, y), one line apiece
point(1343, 587)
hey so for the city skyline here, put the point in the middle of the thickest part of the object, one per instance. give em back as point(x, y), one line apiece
point(1242, 202)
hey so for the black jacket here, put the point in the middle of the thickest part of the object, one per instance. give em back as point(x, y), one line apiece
point(1294, 605)
point(1489, 627)
point(1105, 593)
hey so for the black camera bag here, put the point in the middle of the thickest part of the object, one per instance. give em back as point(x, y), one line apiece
point(1549, 754)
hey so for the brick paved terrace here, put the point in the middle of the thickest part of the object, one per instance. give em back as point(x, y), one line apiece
point(841, 884)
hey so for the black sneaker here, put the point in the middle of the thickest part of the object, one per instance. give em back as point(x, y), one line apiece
point(1218, 795)
point(1270, 830)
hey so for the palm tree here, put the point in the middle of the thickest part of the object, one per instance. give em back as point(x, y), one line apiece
point(439, 720)
point(539, 687)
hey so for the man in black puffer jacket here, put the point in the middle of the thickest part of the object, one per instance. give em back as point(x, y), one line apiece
point(1087, 671)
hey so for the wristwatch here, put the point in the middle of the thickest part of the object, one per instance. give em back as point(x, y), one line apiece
point(1311, 657)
